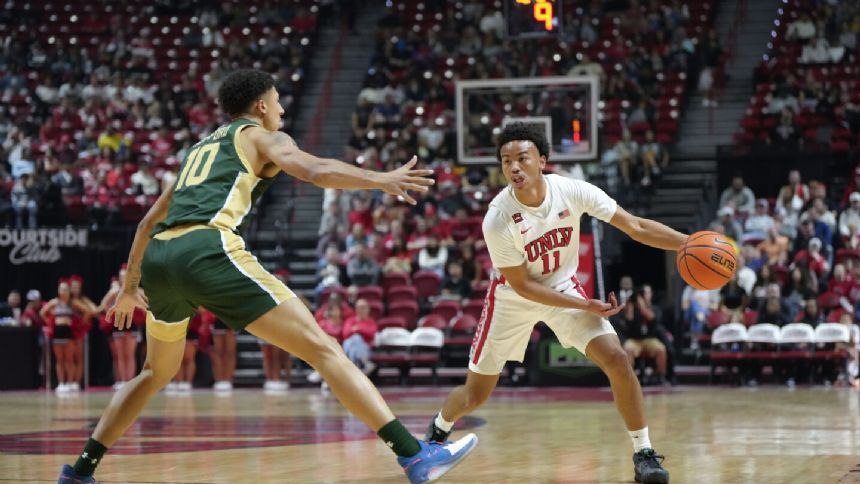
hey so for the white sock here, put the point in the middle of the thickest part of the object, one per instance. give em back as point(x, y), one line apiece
point(443, 424)
point(640, 439)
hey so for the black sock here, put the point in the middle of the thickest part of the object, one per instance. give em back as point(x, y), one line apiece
point(395, 435)
point(90, 458)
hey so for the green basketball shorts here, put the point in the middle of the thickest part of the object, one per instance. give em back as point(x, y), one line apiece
point(197, 265)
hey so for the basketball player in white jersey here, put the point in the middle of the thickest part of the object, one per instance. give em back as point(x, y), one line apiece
point(532, 232)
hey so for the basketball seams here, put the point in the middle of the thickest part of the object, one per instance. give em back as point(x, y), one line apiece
point(714, 243)
point(683, 256)
point(697, 237)
point(731, 253)
point(700, 261)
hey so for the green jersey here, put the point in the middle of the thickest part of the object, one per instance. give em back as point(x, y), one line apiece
point(216, 185)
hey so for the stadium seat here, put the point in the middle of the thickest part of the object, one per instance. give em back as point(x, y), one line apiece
point(433, 321)
point(797, 333)
point(474, 308)
point(376, 309)
point(390, 322)
point(408, 310)
point(446, 308)
point(402, 293)
point(426, 348)
point(427, 283)
point(327, 292)
point(766, 333)
point(394, 279)
point(371, 293)
point(832, 333)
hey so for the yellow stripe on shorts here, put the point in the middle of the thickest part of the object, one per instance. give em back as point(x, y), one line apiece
point(164, 331)
point(248, 265)
point(179, 231)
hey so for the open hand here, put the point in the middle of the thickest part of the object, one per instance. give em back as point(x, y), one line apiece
point(400, 181)
point(123, 309)
point(604, 309)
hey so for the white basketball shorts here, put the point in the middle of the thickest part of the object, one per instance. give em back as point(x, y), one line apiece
point(508, 320)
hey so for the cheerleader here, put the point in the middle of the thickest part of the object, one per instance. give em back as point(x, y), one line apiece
point(81, 326)
point(183, 380)
point(59, 314)
point(123, 342)
point(223, 356)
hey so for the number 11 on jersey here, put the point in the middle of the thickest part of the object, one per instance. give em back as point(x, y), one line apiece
point(545, 258)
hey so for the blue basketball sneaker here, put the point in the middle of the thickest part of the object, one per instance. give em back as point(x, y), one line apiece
point(68, 476)
point(435, 459)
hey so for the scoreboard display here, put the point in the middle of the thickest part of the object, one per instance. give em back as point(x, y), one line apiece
point(532, 18)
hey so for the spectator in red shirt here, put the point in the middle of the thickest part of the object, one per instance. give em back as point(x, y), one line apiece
point(814, 258)
point(332, 323)
point(395, 237)
point(361, 214)
point(418, 238)
point(841, 282)
point(334, 300)
point(811, 313)
point(358, 334)
point(462, 229)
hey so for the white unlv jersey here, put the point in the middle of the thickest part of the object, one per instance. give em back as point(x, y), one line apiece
point(545, 237)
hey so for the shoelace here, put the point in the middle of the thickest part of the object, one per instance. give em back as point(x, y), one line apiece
point(658, 458)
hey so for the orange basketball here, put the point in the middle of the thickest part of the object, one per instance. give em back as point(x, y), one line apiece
point(707, 260)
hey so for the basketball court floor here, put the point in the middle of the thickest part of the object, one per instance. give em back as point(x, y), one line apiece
point(572, 435)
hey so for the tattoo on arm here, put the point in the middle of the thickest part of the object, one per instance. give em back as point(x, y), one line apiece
point(281, 138)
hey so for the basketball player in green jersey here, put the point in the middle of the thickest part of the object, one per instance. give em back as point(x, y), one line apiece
point(187, 253)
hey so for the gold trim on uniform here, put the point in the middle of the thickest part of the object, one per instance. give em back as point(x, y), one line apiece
point(164, 331)
point(248, 265)
point(238, 147)
point(238, 203)
point(179, 231)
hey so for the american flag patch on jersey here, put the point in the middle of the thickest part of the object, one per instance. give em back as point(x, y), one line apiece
point(564, 213)
point(518, 217)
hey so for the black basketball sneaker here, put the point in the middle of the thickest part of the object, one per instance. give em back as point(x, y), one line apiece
point(435, 434)
point(647, 468)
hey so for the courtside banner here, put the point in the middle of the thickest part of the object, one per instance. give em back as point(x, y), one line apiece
point(37, 258)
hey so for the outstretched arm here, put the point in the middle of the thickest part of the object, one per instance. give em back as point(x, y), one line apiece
point(518, 278)
point(129, 296)
point(648, 232)
point(280, 148)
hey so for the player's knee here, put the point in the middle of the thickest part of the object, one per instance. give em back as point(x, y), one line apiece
point(476, 396)
point(160, 373)
point(322, 348)
point(616, 361)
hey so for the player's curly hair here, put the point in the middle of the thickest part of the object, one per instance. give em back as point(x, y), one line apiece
point(523, 132)
point(241, 88)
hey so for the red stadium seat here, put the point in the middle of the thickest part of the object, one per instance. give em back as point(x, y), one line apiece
point(408, 310)
point(828, 300)
point(427, 283)
point(376, 309)
point(394, 279)
point(402, 293)
point(474, 308)
point(371, 293)
point(327, 292)
point(433, 321)
point(448, 309)
point(390, 322)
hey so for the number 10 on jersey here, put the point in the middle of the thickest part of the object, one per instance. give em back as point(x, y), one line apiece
point(546, 262)
point(193, 173)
